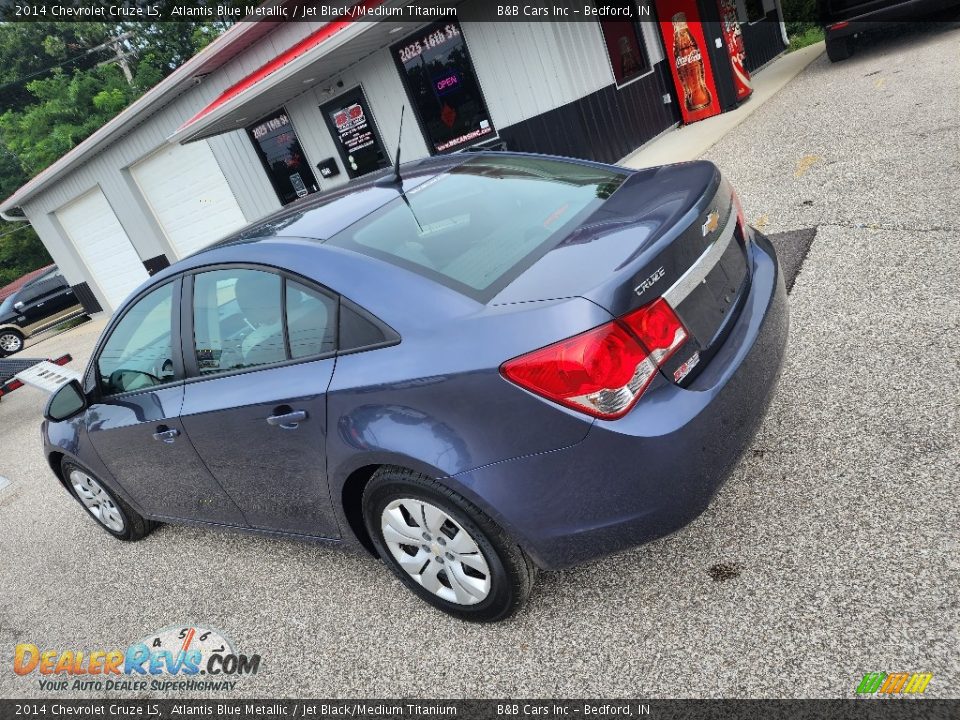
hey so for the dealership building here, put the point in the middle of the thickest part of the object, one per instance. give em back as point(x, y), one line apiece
point(274, 111)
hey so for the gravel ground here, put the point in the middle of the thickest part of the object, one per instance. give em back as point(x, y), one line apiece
point(831, 552)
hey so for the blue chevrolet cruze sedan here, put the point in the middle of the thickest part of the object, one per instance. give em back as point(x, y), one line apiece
point(474, 366)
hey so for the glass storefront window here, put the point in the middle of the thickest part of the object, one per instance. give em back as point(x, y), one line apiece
point(754, 10)
point(625, 47)
point(279, 149)
point(436, 68)
point(354, 132)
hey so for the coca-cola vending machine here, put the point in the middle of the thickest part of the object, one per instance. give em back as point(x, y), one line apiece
point(733, 40)
point(689, 63)
point(705, 50)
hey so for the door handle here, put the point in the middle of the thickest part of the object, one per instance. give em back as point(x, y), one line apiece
point(165, 434)
point(288, 421)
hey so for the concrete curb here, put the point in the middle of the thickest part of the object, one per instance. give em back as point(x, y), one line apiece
point(689, 142)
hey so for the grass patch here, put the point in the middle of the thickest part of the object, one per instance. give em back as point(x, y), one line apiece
point(71, 323)
point(807, 37)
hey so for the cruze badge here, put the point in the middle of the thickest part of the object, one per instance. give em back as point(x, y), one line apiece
point(713, 221)
point(648, 283)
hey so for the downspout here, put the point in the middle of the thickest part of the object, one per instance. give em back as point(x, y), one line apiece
point(783, 25)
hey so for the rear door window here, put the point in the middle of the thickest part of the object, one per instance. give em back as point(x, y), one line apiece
point(480, 224)
point(237, 319)
point(244, 318)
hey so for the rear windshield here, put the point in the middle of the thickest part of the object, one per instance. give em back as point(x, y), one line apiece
point(482, 223)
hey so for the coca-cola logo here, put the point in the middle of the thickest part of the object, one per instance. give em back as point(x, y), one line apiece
point(683, 60)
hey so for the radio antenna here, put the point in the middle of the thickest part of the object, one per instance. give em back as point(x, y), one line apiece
point(395, 179)
point(396, 163)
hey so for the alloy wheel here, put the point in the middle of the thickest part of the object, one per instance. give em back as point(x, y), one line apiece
point(97, 501)
point(436, 551)
point(10, 343)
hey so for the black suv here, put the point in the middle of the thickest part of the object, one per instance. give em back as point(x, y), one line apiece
point(40, 304)
point(843, 20)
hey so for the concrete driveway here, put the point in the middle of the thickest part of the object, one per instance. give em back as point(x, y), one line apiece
point(831, 552)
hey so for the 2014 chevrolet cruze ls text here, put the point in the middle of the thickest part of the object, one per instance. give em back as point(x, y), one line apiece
point(501, 363)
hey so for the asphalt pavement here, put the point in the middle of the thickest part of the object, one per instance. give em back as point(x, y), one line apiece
point(832, 551)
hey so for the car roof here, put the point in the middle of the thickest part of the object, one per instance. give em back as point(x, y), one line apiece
point(294, 239)
point(322, 215)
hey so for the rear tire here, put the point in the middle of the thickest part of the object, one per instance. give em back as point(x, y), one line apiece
point(11, 341)
point(839, 48)
point(457, 559)
point(105, 507)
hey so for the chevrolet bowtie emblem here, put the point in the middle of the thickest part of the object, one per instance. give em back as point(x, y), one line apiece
point(713, 220)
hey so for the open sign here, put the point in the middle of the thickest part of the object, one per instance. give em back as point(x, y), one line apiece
point(447, 83)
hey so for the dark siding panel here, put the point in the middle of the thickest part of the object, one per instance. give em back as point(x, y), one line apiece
point(86, 297)
point(762, 41)
point(605, 125)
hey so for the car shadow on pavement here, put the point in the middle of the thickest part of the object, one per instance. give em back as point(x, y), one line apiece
point(792, 248)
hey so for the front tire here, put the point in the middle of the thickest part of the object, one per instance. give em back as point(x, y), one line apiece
point(444, 548)
point(11, 341)
point(109, 511)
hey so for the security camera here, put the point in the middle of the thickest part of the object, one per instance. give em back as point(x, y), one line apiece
point(339, 83)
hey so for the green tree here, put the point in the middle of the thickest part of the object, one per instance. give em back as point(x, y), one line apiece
point(59, 82)
point(20, 249)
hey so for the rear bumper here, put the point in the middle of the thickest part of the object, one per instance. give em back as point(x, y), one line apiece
point(650, 473)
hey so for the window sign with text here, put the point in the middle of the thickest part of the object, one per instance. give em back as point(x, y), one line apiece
point(443, 87)
point(282, 156)
point(351, 125)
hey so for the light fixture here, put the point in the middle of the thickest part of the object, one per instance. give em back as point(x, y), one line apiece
point(395, 30)
point(308, 80)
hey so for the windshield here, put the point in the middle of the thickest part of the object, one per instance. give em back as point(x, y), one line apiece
point(7, 305)
point(479, 225)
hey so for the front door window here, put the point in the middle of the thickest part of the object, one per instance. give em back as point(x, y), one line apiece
point(282, 156)
point(139, 352)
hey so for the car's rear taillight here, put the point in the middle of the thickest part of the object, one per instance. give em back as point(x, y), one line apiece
point(604, 371)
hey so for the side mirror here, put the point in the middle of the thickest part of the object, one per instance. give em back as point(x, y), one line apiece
point(66, 402)
point(18, 305)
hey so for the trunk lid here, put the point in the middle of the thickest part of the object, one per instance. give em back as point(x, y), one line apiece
point(669, 232)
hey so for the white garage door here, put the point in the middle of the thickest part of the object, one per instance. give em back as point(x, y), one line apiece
point(189, 196)
point(92, 226)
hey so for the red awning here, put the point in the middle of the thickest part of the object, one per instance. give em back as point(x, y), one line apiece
point(285, 58)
